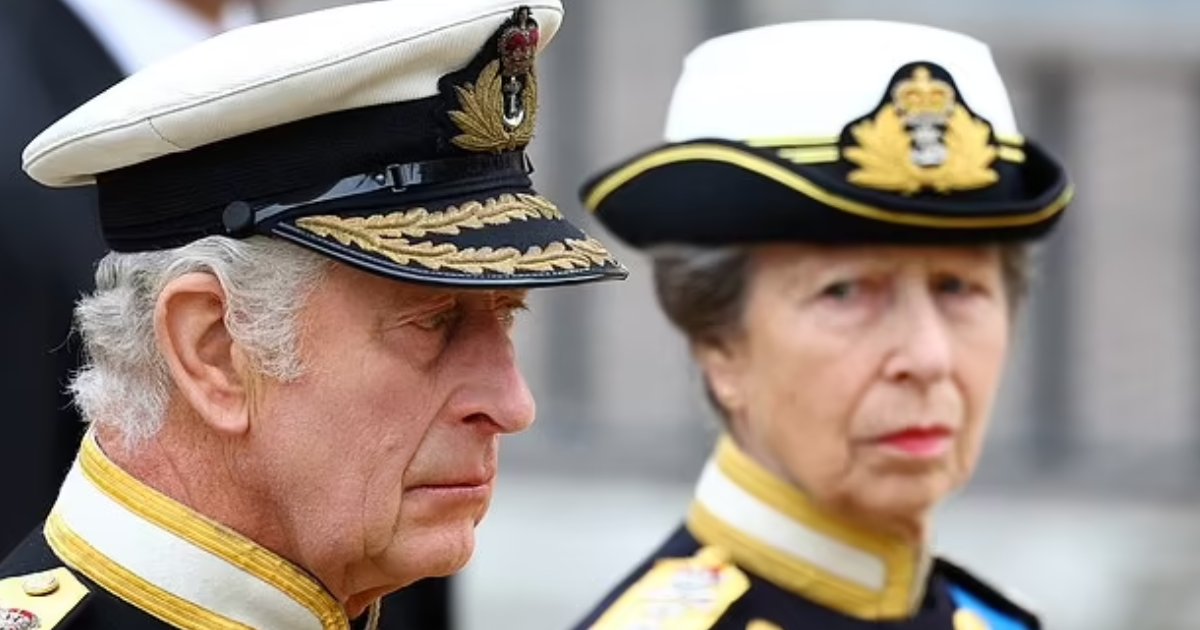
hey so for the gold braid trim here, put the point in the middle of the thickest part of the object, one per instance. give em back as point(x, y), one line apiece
point(482, 116)
point(391, 235)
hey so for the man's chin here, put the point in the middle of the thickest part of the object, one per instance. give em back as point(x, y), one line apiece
point(441, 550)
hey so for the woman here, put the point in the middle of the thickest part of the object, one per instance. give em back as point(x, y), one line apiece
point(838, 224)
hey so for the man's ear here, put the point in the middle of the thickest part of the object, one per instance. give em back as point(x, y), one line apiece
point(211, 372)
point(722, 367)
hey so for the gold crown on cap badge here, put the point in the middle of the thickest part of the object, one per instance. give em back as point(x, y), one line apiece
point(924, 138)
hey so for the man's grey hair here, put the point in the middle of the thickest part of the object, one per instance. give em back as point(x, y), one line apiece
point(124, 382)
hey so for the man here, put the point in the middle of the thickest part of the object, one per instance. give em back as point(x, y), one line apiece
point(54, 55)
point(841, 232)
point(65, 52)
point(299, 353)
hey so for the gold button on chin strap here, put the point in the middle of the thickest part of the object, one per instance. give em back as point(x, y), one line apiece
point(40, 584)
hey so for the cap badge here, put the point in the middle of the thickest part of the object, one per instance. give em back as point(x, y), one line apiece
point(499, 110)
point(922, 138)
point(17, 619)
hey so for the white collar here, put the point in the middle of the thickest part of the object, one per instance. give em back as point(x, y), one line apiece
point(174, 563)
point(775, 532)
point(138, 33)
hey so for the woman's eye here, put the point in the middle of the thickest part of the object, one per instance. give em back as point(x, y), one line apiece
point(952, 285)
point(841, 290)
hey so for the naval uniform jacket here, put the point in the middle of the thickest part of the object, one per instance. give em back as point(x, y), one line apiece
point(755, 554)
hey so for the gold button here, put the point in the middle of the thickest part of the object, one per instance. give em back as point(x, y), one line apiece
point(968, 620)
point(759, 624)
point(40, 584)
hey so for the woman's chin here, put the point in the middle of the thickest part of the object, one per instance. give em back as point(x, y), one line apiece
point(900, 503)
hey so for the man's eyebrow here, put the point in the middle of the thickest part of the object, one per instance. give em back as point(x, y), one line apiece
point(408, 304)
point(518, 298)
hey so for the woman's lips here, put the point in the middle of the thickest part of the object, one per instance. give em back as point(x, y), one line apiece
point(918, 442)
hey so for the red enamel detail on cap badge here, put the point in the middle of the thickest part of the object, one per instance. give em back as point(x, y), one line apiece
point(17, 619)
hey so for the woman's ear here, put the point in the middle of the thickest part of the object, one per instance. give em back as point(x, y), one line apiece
point(211, 372)
point(722, 366)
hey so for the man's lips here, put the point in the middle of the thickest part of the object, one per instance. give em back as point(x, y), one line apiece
point(482, 477)
point(467, 490)
point(451, 485)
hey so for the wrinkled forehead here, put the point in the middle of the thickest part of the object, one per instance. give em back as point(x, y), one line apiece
point(397, 296)
point(805, 257)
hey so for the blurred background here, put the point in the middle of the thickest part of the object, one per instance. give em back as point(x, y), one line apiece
point(1087, 500)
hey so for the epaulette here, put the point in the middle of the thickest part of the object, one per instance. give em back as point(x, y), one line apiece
point(981, 606)
point(42, 600)
point(679, 593)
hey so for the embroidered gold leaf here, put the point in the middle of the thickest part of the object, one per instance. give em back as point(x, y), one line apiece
point(969, 155)
point(481, 118)
point(884, 155)
point(419, 222)
point(392, 236)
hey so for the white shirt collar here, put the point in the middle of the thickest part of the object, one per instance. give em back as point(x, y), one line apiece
point(773, 530)
point(138, 33)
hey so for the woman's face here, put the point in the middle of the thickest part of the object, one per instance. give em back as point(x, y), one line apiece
point(866, 375)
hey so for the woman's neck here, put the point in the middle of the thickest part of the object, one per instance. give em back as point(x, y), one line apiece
point(774, 529)
point(909, 524)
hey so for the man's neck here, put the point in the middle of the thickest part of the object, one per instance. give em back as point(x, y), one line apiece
point(107, 520)
point(196, 468)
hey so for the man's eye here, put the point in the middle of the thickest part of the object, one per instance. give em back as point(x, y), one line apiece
point(507, 314)
point(436, 321)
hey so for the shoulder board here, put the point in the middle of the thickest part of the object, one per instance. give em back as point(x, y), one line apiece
point(679, 594)
point(982, 607)
point(40, 600)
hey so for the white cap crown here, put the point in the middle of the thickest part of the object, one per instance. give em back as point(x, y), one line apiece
point(258, 77)
point(748, 85)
